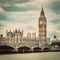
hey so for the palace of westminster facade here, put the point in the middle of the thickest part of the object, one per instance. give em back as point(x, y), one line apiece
point(16, 37)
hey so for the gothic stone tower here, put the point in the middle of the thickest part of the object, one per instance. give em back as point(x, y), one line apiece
point(42, 24)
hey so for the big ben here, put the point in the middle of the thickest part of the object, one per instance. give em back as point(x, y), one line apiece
point(42, 25)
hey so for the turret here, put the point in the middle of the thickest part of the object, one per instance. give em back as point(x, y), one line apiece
point(22, 32)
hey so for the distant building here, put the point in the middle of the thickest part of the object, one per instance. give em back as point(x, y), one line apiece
point(48, 41)
point(55, 38)
point(1, 36)
point(2, 39)
point(34, 35)
point(28, 35)
point(15, 36)
point(31, 36)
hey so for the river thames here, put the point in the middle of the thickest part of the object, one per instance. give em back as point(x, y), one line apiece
point(32, 56)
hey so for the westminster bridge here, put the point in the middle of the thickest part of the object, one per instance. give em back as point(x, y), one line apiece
point(26, 45)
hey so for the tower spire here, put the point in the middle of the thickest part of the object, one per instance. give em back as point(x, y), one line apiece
point(42, 11)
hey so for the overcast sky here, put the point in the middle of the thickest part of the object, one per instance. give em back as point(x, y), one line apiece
point(24, 14)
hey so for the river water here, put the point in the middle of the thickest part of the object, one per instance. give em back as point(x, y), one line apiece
point(32, 56)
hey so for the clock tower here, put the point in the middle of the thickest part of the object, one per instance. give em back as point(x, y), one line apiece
point(42, 24)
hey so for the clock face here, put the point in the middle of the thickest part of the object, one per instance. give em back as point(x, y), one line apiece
point(41, 22)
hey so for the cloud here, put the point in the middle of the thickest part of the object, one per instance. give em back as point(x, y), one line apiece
point(23, 1)
point(2, 25)
point(15, 8)
point(1, 10)
point(31, 28)
point(14, 1)
point(58, 26)
point(53, 29)
point(55, 7)
point(55, 21)
point(5, 18)
point(25, 13)
point(19, 17)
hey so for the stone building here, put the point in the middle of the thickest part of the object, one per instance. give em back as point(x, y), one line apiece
point(16, 38)
point(42, 25)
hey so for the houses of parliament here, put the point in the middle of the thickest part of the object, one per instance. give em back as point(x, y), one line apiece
point(16, 40)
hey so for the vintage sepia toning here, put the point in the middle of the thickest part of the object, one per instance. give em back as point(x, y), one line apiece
point(29, 29)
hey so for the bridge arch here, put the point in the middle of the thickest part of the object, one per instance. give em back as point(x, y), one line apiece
point(46, 49)
point(6, 49)
point(36, 49)
point(24, 49)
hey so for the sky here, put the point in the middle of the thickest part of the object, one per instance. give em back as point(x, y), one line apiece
point(24, 14)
